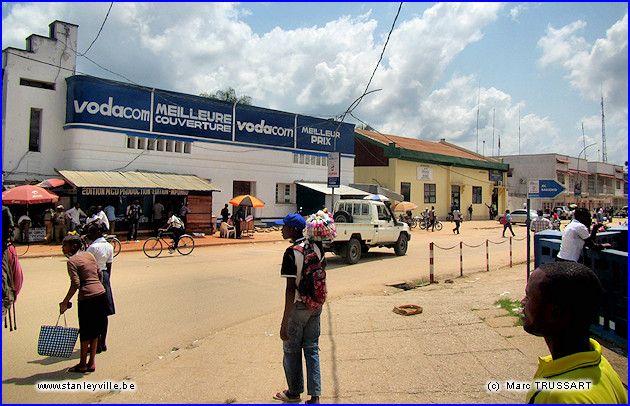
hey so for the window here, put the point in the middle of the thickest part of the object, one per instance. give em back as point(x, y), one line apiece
point(296, 157)
point(301, 159)
point(151, 144)
point(429, 192)
point(131, 142)
point(284, 191)
point(324, 161)
point(560, 177)
point(35, 130)
point(160, 145)
point(187, 147)
point(382, 213)
point(141, 142)
point(37, 83)
point(476, 194)
point(405, 190)
point(178, 146)
point(618, 184)
point(169, 146)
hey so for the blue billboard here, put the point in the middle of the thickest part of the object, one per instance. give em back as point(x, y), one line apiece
point(118, 105)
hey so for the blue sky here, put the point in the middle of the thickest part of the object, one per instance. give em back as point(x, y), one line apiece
point(443, 60)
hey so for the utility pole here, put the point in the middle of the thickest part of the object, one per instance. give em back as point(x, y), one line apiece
point(493, 111)
point(604, 152)
point(584, 139)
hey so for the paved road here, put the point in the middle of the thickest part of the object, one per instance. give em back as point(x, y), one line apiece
point(171, 305)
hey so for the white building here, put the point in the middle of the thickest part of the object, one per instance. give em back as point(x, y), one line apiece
point(601, 184)
point(56, 120)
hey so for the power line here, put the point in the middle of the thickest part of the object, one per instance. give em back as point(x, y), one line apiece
point(99, 31)
point(358, 101)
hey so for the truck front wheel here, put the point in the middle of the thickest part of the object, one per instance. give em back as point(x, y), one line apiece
point(354, 251)
point(401, 245)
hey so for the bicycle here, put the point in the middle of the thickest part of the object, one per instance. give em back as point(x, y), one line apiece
point(110, 238)
point(153, 246)
point(425, 224)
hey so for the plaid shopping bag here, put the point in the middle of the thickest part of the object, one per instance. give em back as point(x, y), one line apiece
point(57, 341)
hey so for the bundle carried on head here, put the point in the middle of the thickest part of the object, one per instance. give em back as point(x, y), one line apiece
point(320, 226)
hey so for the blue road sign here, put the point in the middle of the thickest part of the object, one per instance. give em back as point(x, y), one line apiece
point(546, 188)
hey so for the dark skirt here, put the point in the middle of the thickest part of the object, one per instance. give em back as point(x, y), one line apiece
point(92, 317)
point(108, 291)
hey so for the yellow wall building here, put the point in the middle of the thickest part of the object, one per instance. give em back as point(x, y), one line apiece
point(428, 173)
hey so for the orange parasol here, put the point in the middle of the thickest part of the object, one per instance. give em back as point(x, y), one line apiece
point(247, 200)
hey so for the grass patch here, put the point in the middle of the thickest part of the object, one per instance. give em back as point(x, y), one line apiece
point(513, 307)
point(229, 401)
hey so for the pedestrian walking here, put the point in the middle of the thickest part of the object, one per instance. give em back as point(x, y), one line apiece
point(59, 224)
point(300, 328)
point(470, 210)
point(158, 216)
point(506, 220)
point(561, 301)
point(104, 254)
point(48, 223)
point(184, 211)
point(86, 278)
point(110, 212)
point(457, 218)
point(134, 211)
point(540, 223)
point(431, 219)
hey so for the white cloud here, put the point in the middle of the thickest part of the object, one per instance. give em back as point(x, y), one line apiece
point(594, 69)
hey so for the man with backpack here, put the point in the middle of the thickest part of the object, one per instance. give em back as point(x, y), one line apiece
point(303, 266)
point(134, 211)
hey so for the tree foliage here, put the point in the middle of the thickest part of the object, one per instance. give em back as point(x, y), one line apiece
point(229, 95)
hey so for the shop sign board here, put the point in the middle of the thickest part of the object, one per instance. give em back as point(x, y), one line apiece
point(102, 102)
point(333, 170)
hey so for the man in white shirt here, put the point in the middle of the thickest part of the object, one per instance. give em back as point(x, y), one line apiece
point(178, 228)
point(99, 217)
point(577, 234)
point(74, 214)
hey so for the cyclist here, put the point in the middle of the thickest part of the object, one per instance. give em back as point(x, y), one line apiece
point(178, 228)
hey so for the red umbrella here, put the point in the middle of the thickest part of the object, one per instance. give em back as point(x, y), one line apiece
point(247, 200)
point(28, 194)
point(51, 183)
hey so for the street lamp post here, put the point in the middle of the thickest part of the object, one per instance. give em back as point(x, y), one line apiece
point(578, 169)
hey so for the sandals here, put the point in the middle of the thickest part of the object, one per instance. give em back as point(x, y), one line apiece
point(77, 368)
point(285, 398)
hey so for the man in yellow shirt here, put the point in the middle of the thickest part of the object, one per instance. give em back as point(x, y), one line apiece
point(561, 300)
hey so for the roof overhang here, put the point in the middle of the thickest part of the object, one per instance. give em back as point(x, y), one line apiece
point(137, 180)
point(341, 190)
point(392, 151)
point(378, 190)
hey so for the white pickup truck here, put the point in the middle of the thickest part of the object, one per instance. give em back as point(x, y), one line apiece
point(362, 224)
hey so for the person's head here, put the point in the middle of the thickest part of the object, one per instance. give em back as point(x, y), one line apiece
point(99, 208)
point(540, 213)
point(60, 207)
point(170, 213)
point(94, 231)
point(292, 226)
point(507, 211)
point(432, 207)
point(226, 205)
point(561, 297)
point(136, 201)
point(582, 215)
point(71, 244)
point(77, 205)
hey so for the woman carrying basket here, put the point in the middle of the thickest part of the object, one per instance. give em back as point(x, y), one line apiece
point(85, 277)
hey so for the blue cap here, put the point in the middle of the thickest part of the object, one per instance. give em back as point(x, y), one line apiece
point(293, 220)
